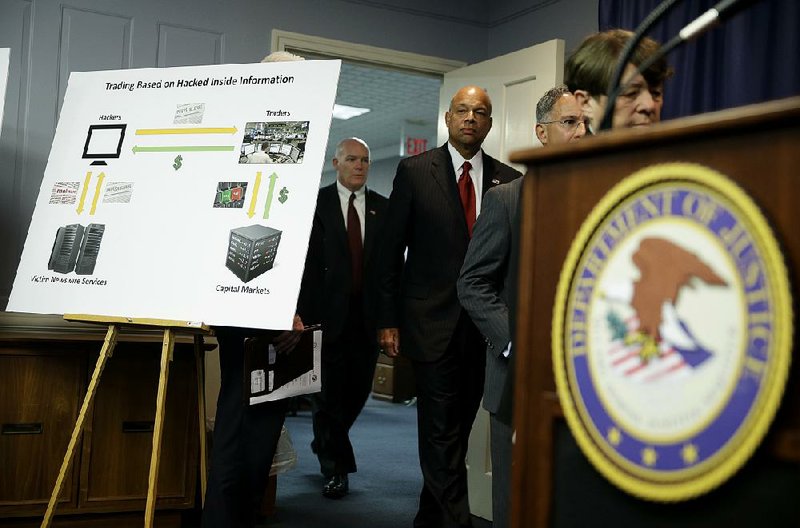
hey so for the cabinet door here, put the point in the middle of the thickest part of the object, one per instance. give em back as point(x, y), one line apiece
point(41, 392)
point(116, 457)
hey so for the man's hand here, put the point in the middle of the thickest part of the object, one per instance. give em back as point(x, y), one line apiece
point(286, 341)
point(389, 341)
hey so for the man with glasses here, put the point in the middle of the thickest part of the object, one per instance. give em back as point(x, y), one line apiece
point(559, 118)
point(488, 284)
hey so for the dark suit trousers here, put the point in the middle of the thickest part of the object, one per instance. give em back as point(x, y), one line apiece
point(449, 392)
point(500, 433)
point(245, 440)
point(348, 365)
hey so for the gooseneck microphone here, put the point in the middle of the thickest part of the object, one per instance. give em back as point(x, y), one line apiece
point(723, 10)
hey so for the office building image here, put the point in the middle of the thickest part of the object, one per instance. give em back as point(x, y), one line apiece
point(252, 250)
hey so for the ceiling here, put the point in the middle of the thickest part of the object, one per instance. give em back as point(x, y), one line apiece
point(393, 97)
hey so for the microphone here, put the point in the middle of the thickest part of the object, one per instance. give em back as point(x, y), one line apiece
point(722, 11)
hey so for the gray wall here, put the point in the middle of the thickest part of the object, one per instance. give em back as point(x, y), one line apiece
point(49, 39)
point(518, 24)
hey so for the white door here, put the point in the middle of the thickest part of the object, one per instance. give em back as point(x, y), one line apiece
point(515, 83)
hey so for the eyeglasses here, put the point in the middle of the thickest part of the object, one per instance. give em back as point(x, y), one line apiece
point(570, 123)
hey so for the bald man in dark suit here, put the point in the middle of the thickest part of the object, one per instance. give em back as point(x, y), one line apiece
point(487, 287)
point(434, 202)
point(336, 292)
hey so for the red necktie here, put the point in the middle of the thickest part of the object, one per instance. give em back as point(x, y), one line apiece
point(356, 245)
point(467, 192)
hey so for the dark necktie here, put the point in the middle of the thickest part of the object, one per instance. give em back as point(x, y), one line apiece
point(356, 246)
point(467, 192)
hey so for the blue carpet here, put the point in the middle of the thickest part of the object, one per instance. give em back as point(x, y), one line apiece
point(383, 493)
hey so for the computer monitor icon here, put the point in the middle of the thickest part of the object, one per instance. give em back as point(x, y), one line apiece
point(104, 142)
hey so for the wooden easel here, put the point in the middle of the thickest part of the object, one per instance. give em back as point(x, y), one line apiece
point(170, 329)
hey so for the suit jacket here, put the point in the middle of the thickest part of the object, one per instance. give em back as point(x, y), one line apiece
point(425, 216)
point(327, 279)
point(487, 286)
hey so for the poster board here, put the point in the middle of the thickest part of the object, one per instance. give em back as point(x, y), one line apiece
point(160, 198)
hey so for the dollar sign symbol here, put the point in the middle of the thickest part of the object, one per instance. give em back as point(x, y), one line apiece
point(177, 165)
point(283, 195)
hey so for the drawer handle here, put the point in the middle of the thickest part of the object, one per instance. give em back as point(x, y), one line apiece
point(22, 428)
point(138, 427)
point(381, 380)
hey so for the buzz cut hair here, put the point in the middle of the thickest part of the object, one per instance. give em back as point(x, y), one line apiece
point(340, 147)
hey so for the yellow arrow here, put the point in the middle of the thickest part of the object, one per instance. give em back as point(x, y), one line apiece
point(97, 192)
point(252, 211)
point(196, 130)
point(83, 192)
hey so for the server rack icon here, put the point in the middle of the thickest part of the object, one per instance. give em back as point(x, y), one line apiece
point(90, 248)
point(252, 250)
point(76, 248)
point(65, 248)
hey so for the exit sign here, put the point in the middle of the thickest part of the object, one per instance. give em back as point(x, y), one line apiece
point(415, 146)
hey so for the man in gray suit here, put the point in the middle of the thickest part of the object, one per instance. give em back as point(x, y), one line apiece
point(487, 286)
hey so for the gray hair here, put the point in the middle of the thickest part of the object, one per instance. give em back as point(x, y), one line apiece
point(340, 147)
point(282, 56)
point(548, 101)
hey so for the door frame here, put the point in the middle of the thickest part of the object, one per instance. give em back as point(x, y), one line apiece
point(370, 55)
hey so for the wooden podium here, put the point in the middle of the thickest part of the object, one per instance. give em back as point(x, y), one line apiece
point(553, 484)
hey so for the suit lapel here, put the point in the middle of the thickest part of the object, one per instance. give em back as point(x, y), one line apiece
point(330, 209)
point(371, 218)
point(490, 173)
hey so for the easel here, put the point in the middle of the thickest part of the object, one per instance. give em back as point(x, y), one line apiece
point(170, 329)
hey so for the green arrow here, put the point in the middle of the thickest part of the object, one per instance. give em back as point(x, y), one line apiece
point(272, 178)
point(192, 148)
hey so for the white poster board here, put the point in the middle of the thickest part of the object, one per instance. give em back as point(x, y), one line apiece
point(5, 56)
point(180, 193)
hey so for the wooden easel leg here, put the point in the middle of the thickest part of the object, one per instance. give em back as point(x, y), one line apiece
point(158, 429)
point(201, 414)
point(105, 352)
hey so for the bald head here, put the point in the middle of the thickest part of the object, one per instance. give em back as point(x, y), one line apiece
point(469, 120)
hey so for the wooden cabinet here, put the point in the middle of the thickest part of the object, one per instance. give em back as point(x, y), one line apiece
point(393, 380)
point(42, 387)
point(45, 366)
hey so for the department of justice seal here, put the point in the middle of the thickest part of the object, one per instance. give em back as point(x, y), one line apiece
point(672, 332)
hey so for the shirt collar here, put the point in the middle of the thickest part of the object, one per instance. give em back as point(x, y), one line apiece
point(458, 160)
point(345, 192)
